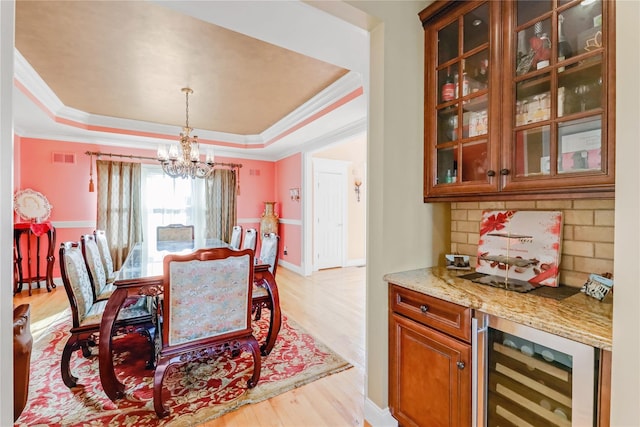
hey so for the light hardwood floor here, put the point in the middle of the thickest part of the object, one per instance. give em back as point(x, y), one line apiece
point(330, 304)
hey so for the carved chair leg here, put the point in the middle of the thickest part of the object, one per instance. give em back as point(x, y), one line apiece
point(257, 362)
point(158, 377)
point(148, 332)
point(67, 377)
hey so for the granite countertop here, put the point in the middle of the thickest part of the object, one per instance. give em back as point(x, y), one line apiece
point(577, 317)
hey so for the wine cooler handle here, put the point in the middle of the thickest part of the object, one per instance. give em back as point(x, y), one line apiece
point(478, 370)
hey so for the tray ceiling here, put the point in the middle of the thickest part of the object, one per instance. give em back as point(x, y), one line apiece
point(129, 59)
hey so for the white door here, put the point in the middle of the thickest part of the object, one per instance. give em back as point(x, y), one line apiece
point(329, 214)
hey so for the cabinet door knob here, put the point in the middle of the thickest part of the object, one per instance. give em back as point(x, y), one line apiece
point(424, 308)
point(460, 365)
point(491, 172)
point(504, 171)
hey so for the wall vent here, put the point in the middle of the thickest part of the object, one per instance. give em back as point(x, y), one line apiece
point(65, 158)
point(254, 172)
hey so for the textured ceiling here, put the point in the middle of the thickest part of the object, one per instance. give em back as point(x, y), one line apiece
point(129, 59)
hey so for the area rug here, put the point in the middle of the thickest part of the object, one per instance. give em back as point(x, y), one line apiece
point(196, 392)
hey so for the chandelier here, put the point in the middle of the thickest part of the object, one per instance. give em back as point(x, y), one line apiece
point(183, 161)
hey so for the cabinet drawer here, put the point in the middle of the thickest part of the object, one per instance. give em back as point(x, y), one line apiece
point(447, 317)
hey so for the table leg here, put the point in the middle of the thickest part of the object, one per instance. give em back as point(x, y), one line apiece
point(113, 388)
point(38, 262)
point(51, 236)
point(29, 275)
point(18, 254)
point(275, 323)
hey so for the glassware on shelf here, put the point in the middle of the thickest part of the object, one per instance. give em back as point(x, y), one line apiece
point(582, 92)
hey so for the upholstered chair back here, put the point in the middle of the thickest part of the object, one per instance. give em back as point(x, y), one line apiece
point(105, 253)
point(236, 237)
point(269, 251)
point(250, 239)
point(175, 233)
point(97, 275)
point(206, 298)
point(75, 277)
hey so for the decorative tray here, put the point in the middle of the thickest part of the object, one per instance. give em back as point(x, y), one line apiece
point(31, 205)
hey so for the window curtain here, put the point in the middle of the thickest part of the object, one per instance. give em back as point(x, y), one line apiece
point(221, 204)
point(119, 206)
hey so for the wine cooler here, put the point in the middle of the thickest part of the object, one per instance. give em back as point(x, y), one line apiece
point(526, 377)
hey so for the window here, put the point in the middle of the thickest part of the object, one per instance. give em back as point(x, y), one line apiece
point(167, 201)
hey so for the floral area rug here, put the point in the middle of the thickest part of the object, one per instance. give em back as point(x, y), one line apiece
point(195, 392)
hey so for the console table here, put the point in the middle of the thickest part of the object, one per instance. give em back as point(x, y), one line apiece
point(37, 230)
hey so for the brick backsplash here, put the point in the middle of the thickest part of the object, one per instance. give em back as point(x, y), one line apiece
point(587, 237)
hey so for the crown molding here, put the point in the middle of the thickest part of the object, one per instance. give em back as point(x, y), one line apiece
point(121, 132)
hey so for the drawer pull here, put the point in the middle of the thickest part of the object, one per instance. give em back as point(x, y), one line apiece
point(424, 308)
point(460, 365)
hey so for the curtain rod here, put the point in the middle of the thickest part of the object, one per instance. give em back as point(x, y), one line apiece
point(131, 156)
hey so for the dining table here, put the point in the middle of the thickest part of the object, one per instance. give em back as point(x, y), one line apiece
point(142, 275)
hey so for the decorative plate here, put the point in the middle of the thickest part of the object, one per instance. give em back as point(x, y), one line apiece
point(31, 205)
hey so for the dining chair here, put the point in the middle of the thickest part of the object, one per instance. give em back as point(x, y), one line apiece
point(268, 255)
point(175, 237)
point(236, 237)
point(86, 312)
point(269, 250)
point(105, 254)
point(91, 253)
point(205, 311)
point(250, 239)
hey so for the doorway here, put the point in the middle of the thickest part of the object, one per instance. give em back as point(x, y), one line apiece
point(329, 213)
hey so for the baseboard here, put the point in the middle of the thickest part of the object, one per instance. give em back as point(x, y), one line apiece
point(291, 267)
point(356, 262)
point(378, 417)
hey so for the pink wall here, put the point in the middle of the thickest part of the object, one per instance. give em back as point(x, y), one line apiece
point(66, 186)
point(288, 174)
point(256, 187)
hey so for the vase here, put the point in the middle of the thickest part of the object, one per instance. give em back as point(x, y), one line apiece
point(269, 220)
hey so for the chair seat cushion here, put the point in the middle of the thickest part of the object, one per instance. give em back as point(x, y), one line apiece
point(259, 292)
point(140, 308)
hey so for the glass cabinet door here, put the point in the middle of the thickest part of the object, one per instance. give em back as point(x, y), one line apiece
point(462, 113)
point(558, 105)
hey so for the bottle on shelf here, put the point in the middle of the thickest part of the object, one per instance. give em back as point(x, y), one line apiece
point(456, 85)
point(466, 87)
point(454, 175)
point(541, 46)
point(564, 47)
point(482, 74)
point(448, 88)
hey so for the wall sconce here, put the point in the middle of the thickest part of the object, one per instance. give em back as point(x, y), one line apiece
point(294, 194)
point(357, 183)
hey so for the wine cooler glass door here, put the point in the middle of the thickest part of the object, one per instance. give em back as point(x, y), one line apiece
point(534, 378)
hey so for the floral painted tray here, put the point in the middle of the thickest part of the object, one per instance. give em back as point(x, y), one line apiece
point(31, 205)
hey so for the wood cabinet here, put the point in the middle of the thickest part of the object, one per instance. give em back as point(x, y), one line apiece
point(519, 99)
point(429, 360)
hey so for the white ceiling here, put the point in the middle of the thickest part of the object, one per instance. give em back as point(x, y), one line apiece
point(291, 82)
